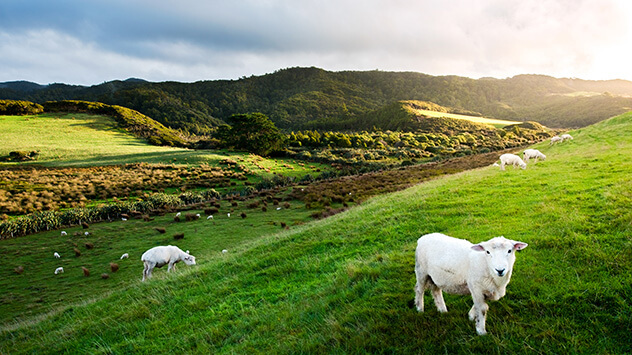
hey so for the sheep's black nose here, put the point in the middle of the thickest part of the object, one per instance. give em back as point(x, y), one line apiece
point(500, 272)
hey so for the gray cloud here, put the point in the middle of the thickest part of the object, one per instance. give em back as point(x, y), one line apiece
point(87, 42)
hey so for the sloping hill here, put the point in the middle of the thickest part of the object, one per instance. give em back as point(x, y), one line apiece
point(297, 98)
point(343, 284)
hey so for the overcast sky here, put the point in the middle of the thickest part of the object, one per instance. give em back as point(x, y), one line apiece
point(88, 42)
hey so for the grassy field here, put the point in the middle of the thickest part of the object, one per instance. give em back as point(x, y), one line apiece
point(344, 284)
point(490, 121)
point(80, 140)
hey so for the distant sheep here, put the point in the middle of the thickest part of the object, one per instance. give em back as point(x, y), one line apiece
point(59, 270)
point(105, 276)
point(56, 254)
point(124, 256)
point(86, 272)
point(224, 251)
point(114, 267)
point(556, 139)
point(19, 270)
point(63, 233)
point(511, 159)
point(566, 136)
point(164, 255)
point(533, 153)
point(456, 266)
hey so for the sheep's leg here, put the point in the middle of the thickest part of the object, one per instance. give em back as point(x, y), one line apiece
point(478, 313)
point(502, 166)
point(145, 271)
point(171, 266)
point(437, 294)
point(420, 288)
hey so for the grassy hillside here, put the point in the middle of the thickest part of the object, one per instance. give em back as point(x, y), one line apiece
point(344, 284)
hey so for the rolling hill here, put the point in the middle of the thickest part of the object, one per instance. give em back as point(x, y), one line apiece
point(300, 98)
point(344, 284)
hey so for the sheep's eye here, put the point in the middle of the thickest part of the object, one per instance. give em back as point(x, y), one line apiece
point(488, 252)
point(509, 251)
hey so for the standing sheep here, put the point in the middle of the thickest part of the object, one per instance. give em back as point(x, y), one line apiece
point(456, 266)
point(566, 136)
point(164, 255)
point(533, 153)
point(511, 159)
point(556, 139)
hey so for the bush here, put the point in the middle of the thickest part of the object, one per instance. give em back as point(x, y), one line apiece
point(16, 107)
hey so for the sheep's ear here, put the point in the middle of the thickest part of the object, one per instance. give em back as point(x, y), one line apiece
point(520, 245)
point(478, 247)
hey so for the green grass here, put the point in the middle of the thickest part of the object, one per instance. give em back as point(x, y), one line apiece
point(78, 140)
point(344, 284)
point(490, 121)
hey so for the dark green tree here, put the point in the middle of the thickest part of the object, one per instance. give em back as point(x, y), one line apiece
point(253, 132)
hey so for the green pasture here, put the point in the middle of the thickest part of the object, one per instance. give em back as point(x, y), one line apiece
point(345, 284)
point(78, 140)
point(490, 121)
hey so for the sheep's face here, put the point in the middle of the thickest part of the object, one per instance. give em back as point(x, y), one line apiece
point(189, 260)
point(500, 254)
point(523, 166)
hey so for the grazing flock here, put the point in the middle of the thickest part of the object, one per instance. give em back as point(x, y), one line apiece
point(442, 263)
point(456, 266)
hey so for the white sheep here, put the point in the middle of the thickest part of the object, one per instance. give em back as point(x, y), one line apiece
point(224, 251)
point(456, 266)
point(56, 254)
point(228, 214)
point(209, 217)
point(59, 270)
point(533, 153)
point(556, 139)
point(63, 233)
point(511, 159)
point(164, 255)
point(124, 256)
point(178, 214)
point(566, 136)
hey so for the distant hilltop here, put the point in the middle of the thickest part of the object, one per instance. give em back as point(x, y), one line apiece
point(313, 98)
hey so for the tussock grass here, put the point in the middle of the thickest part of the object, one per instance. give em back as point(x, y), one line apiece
point(344, 284)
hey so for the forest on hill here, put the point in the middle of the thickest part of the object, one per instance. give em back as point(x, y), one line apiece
point(312, 98)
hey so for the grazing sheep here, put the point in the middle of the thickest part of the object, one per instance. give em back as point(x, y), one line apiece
point(19, 270)
point(114, 267)
point(63, 233)
point(495, 164)
point(178, 214)
point(56, 254)
point(556, 139)
point(86, 234)
point(123, 219)
point(209, 217)
point(160, 230)
point(243, 215)
point(164, 255)
point(178, 236)
point(456, 266)
point(59, 270)
point(224, 251)
point(566, 136)
point(124, 256)
point(533, 153)
point(105, 276)
point(77, 252)
point(86, 272)
point(511, 159)
point(228, 214)
point(89, 245)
